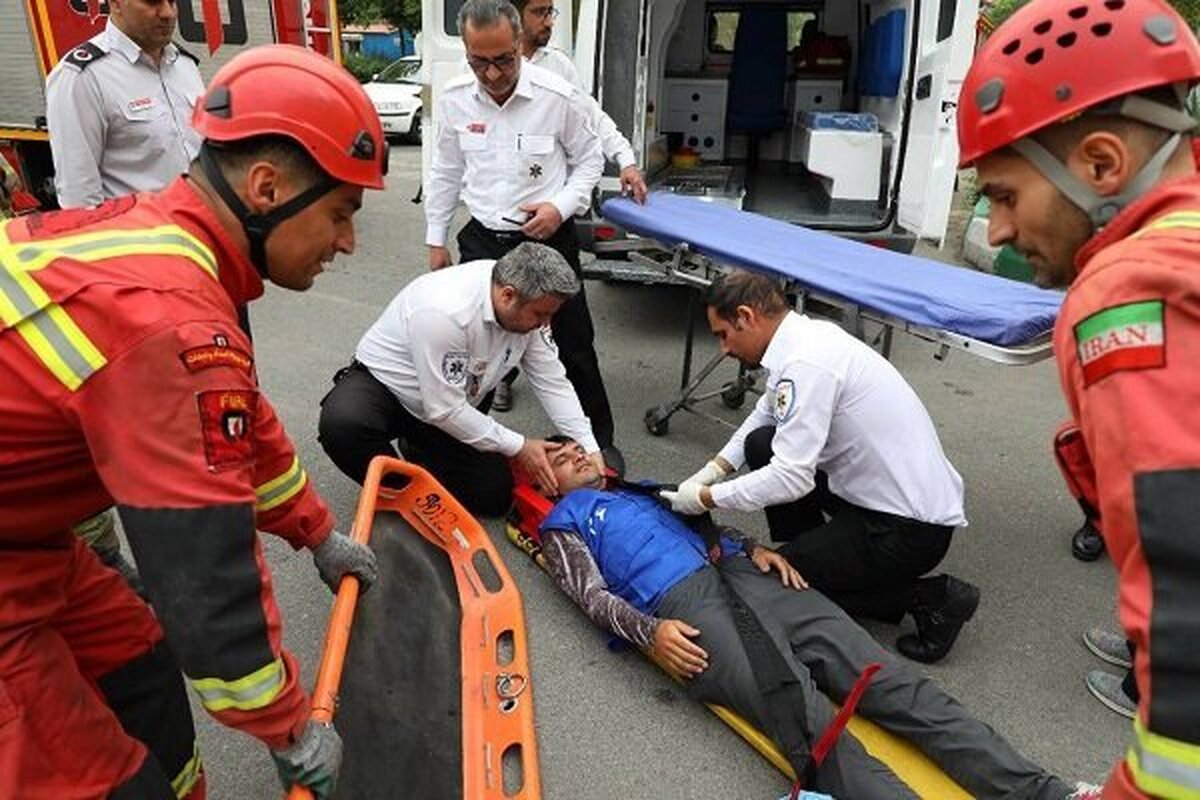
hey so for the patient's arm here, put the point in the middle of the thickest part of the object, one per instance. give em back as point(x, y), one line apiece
point(570, 563)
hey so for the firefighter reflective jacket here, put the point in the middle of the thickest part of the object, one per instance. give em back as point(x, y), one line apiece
point(125, 379)
point(1128, 348)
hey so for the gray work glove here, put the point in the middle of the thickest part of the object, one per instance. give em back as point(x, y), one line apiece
point(340, 555)
point(312, 761)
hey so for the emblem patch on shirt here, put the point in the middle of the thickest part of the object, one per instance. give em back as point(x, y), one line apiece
point(548, 336)
point(454, 367)
point(477, 127)
point(1130, 336)
point(141, 104)
point(217, 354)
point(785, 401)
point(535, 171)
point(227, 424)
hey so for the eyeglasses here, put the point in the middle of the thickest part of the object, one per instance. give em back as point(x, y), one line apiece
point(546, 12)
point(503, 63)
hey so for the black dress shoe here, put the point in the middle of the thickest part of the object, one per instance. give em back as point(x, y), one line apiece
point(1087, 544)
point(938, 623)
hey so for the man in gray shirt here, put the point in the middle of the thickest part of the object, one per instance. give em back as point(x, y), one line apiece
point(119, 107)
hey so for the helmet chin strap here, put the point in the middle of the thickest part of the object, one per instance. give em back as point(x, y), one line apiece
point(259, 226)
point(1100, 209)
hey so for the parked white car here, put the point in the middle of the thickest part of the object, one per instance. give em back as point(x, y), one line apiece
point(396, 95)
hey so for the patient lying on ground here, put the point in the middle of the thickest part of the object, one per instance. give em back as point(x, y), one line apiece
point(642, 573)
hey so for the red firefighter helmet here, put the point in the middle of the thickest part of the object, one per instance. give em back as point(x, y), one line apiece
point(1054, 59)
point(286, 90)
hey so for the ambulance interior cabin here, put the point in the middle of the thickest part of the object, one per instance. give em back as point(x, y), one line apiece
point(791, 110)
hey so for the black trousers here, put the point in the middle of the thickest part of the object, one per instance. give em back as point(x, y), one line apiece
point(867, 562)
point(571, 326)
point(361, 418)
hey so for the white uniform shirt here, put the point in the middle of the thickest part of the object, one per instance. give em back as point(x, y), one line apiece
point(538, 147)
point(440, 350)
point(616, 147)
point(118, 123)
point(841, 407)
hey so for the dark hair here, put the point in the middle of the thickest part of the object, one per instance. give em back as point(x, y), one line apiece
point(1062, 137)
point(740, 287)
point(559, 438)
point(235, 157)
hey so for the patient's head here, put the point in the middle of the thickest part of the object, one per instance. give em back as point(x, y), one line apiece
point(572, 467)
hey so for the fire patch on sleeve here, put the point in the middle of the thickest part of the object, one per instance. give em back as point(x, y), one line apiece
point(227, 425)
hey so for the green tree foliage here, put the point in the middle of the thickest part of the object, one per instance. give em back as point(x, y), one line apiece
point(363, 67)
point(404, 15)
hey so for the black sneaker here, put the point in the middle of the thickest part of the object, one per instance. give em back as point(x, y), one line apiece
point(502, 400)
point(1086, 544)
point(938, 623)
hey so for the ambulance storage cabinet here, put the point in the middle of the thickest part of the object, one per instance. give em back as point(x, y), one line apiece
point(695, 107)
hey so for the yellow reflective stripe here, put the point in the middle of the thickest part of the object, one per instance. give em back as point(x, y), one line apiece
point(164, 240)
point(278, 491)
point(1178, 219)
point(52, 335)
point(1164, 767)
point(183, 783)
point(256, 690)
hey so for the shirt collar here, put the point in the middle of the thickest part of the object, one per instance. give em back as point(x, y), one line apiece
point(1164, 199)
point(524, 87)
point(774, 358)
point(183, 202)
point(119, 42)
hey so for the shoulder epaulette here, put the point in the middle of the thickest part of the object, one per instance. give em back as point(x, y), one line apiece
point(194, 58)
point(84, 55)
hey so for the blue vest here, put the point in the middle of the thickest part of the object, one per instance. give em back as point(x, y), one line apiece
point(641, 548)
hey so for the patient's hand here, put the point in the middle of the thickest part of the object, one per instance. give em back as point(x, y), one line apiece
point(767, 559)
point(673, 645)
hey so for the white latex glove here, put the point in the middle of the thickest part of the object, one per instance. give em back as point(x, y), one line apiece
point(711, 473)
point(686, 500)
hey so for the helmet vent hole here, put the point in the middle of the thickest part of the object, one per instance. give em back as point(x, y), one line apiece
point(1102, 29)
point(1043, 27)
point(1034, 56)
point(1066, 40)
point(1114, 5)
point(1012, 47)
point(1079, 12)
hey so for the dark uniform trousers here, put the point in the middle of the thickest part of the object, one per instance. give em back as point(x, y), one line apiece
point(571, 326)
point(868, 562)
point(360, 418)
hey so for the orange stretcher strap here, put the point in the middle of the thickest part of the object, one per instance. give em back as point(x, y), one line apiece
point(492, 724)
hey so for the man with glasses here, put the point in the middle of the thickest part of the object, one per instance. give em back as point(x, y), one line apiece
point(537, 25)
point(518, 146)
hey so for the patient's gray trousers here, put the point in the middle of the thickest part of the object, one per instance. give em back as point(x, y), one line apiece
point(828, 651)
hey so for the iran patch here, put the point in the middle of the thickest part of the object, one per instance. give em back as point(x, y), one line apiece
point(1130, 336)
point(227, 424)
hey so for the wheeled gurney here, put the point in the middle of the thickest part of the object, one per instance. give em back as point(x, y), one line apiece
point(992, 317)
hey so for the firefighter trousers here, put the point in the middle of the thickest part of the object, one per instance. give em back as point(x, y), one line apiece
point(92, 704)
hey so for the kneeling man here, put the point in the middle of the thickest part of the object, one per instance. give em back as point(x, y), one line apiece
point(424, 374)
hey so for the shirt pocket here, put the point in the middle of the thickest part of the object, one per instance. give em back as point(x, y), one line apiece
point(534, 151)
point(471, 142)
point(142, 126)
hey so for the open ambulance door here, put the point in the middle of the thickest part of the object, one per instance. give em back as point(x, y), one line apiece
point(945, 42)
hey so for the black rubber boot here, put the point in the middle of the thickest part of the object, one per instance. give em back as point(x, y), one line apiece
point(1087, 544)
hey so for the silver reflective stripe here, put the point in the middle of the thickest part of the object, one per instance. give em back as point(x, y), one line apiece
point(16, 294)
point(68, 352)
point(218, 695)
point(29, 253)
point(276, 495)
point(1166, 769)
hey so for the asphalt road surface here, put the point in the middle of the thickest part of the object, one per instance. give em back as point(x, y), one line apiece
point(611, 725)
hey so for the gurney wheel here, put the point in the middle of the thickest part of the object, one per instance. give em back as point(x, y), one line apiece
point(658, 420)
point(733, 395)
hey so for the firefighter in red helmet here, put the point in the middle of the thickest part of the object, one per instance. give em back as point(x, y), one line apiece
point(1073, 115)
point(125, 380)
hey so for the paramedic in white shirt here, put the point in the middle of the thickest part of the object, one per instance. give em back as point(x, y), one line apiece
point(517, 146)
point(119, 107)
point(537, 24)
point(845, 460)
point(424, 373)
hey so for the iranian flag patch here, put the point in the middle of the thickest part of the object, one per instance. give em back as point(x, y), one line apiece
point(1131, 336)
